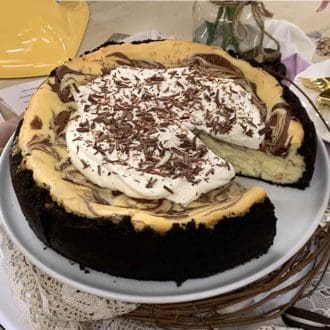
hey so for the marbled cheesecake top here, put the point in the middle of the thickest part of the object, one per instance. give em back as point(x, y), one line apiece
point(51, 145)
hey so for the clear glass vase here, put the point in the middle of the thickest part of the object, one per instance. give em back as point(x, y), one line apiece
point(227, 24)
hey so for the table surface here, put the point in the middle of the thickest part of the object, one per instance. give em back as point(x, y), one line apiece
point(174, 18)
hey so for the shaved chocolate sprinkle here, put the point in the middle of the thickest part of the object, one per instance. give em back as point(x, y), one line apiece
point(85, 165)
point(82, 129)
point(168, 189)
point(151, 182)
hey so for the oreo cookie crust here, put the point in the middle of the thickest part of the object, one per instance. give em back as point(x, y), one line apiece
point(183, 252)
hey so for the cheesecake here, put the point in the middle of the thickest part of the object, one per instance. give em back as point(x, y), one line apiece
point(126, 159)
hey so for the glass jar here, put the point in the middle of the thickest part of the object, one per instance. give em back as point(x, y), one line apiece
point(233, 25)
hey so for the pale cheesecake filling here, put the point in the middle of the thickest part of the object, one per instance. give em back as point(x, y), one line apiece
point(132, 131)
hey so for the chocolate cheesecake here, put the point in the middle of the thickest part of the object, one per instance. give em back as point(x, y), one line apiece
point(126, 158)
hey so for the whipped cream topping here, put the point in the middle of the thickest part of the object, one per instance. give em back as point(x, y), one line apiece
point(133, 131)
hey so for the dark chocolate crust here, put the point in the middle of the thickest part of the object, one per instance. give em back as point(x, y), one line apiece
point(117, 248)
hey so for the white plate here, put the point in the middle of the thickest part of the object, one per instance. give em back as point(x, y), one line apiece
point(321, 69)
point(299, 213)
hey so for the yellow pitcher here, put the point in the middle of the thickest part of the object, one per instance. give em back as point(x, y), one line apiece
point(38, 35)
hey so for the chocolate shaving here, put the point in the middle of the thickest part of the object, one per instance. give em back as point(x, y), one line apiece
point(85, 165)
point(151, 182)
point(82, 129)
point(168, 189)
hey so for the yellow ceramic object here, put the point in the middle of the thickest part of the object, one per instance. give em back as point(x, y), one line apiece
point(38, 35)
